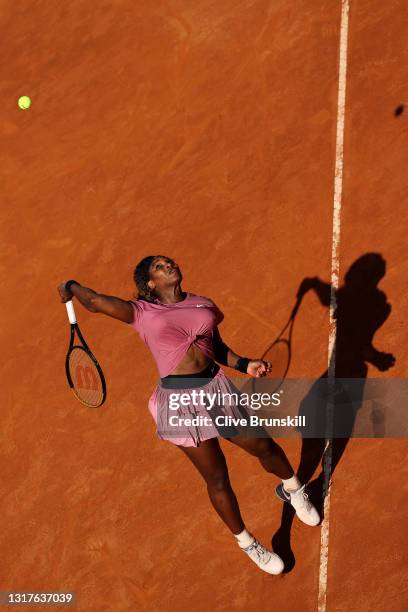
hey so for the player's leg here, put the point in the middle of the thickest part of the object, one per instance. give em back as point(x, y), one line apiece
point(273, 459)
point(210, 461)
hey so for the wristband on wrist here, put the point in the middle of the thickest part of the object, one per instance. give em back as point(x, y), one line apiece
point(69, 284)
point(242, 364)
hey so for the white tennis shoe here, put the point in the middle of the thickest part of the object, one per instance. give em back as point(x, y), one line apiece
point(299, 499)
point(265, 559)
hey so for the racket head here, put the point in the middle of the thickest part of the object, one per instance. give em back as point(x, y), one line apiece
point(85, 377)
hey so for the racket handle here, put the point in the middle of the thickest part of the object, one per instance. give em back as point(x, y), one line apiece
point(71, 312)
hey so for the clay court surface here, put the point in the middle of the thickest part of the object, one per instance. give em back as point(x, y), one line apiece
point(205, 131)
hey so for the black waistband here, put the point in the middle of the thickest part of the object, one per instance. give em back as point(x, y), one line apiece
point(190, 381)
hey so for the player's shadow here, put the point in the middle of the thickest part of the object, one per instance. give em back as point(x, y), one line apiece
point(362, 309)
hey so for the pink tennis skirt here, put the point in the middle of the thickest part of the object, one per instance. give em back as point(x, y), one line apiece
point(187, 417)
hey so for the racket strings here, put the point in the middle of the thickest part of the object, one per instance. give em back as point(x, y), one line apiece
point(86, 378)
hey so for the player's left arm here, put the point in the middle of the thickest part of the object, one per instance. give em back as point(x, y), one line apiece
point(226, 356)
point(223, 353)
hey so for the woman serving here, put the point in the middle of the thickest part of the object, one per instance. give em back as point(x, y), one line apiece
point(181, 330)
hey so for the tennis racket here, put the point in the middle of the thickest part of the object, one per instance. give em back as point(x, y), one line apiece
point(84, 374)
point(279, 354)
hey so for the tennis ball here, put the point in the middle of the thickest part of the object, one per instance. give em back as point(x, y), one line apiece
point(24, 102)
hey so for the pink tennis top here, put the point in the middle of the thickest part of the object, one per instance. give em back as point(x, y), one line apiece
point(170, 329)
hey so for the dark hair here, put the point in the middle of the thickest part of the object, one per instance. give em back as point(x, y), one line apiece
point(141, 276)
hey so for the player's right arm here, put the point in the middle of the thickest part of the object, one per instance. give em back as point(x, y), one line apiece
point(98, 302)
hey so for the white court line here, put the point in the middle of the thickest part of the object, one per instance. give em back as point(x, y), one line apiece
point(335, 268)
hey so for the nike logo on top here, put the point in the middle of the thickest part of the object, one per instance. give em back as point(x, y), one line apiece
point(201, 305)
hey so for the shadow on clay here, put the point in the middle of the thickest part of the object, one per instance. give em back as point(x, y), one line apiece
point(362, 309)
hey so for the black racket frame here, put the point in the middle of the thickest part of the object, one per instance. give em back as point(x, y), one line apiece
point(87, 350)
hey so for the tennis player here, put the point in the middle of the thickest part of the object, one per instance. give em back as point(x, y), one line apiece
point(181, 330)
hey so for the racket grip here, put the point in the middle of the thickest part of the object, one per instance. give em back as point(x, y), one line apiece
point(71, 312)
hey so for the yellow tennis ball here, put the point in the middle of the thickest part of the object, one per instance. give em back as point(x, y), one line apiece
point(24, 102)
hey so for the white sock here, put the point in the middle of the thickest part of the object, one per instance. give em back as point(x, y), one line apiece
point(244, 538)
point(291, 484)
